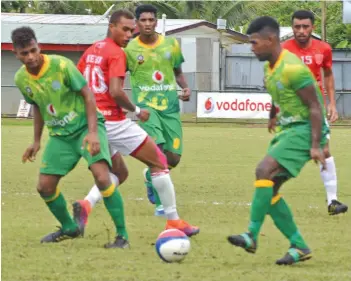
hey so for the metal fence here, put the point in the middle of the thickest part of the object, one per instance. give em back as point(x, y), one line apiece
point(243, 70)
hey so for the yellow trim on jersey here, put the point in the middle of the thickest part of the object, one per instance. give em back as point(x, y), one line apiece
point(159, 41)
point(43, 69)
point(279, 60)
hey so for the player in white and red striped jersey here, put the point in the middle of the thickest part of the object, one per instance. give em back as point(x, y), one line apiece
point(104, 66)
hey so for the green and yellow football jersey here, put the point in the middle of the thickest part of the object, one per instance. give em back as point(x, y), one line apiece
point(55, 90)
point(152, 73)
point(289, 75)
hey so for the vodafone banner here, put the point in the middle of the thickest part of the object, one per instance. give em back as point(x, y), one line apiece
point(233, 105)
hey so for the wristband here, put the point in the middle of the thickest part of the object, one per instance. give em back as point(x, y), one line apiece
point(137, 110)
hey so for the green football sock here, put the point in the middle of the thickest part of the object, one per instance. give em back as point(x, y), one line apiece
point(58, 207)
point(157, 198)
point(284, 221)
point(260, 205)
point(114, 205)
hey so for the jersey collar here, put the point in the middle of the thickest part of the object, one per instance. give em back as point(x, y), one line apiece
point(282, 54)
point(43, 69)
point(160, 39)
point(108, 39)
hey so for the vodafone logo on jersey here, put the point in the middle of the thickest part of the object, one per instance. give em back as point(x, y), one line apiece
point(158, 77)
point(51, 110)
point(209, 105)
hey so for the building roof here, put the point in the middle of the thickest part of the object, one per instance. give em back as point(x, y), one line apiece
point(86, 29)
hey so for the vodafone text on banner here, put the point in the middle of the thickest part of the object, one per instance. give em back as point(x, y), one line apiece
point(233, 105)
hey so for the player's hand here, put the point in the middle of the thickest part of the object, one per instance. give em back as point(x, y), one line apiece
point(143, 115)
point(185, 95)
point(272, 123)
point(318, 156)
point(31, 152)
point(332, 113)
point(92, 143)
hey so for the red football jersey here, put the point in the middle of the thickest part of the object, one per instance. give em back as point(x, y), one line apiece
point(100, 62)
point(317, 56)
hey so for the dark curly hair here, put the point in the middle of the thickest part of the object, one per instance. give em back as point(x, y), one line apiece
point(22, 37)
point(146, 8)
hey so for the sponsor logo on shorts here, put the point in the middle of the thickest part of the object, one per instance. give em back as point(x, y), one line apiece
point(62, 122)
point(209, 105)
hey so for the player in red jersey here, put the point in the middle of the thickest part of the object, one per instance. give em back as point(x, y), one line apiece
point(104, 66)
point(317, 55)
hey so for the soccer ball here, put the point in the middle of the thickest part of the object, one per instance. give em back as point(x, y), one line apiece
point(172, 245)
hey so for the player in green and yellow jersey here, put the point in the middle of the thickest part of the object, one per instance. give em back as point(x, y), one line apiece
point(63, 102)
point(154, 63)
point(298, 106)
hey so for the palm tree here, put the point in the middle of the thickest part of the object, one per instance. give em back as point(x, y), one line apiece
point(235, 12)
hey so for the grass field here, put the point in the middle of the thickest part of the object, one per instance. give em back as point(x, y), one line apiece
point(214, 185)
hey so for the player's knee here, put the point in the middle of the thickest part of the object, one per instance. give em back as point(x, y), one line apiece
point(161, 160)
point(102, 180)
point(172, 159)
point(278, 182)
point(262, 172)
point(160, 146)
point(101, 176)
point(122, 175)
point(45, 188)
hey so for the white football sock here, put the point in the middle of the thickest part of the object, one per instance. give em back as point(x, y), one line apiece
point(165, 189)
point(329, 179)
point(94, 194)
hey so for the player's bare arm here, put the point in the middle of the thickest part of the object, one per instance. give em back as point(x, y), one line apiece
point(32, 150)
point(121, 98)
point(272, 119)
point(181, 81)
point(308, 96)
point(330, 87)
point(92, 139)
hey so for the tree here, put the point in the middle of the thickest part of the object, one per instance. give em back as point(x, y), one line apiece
point(14, 6)
point(337, 32)
point(237, 13)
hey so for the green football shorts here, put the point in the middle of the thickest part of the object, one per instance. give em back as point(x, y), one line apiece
point(291, 147)
point(165, 129)
point(62, 153)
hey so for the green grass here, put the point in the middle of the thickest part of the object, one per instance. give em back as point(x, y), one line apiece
point(189, 119)
point(214, 185)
